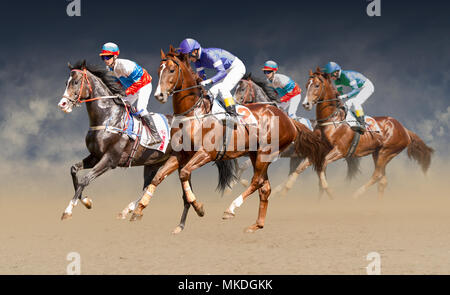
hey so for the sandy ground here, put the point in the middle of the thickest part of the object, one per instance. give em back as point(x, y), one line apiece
point(410, 229)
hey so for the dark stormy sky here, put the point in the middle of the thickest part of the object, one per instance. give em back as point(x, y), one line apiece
point(405, 52)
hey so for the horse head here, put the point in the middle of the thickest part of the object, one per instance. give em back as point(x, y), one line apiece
point(78, 87)
point(318, 88)
point(173, 71)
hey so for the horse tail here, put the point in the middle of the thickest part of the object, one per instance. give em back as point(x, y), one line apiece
point(227, 173)
point(419, 151)
point(310, 145)
point(352, 167)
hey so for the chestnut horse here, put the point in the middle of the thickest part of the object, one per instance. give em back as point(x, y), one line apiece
point(383, 147)
point(176, 78)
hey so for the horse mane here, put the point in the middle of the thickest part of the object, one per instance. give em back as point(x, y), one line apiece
point(101, 72)
point(269, 91)
point(185, 59)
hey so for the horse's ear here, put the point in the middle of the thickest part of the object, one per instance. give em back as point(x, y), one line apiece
point(83, 64)
point(163, 56)
point(70, 65)
point(319, 70)
point(249, 76)
point(311, 73)
point(171, 49)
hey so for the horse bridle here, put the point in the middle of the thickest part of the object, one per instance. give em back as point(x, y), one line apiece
point(78, 101)
point(173, 91)
point(327, 100)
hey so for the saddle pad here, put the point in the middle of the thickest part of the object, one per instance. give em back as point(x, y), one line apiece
point(372, 125)
point(246, 117)
point(163, 128)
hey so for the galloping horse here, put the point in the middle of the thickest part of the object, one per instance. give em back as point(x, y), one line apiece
point(383, 146)
point(251, 90)
point(176, 78)
point(109, 148)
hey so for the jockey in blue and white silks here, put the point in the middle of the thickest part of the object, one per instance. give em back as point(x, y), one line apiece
point(288, 91)
point(136, 82)
point(229, 70)
point(362, 89)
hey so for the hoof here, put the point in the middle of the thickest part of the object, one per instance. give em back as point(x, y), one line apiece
point(253, 228)
point(177, 230)
point(87, 202)
point(198, 207)
point(136, 217)
point(66, 216)
point(228, 215)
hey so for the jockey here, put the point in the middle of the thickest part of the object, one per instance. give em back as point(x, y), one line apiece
point(229, 70)
point(288, 91)
point(136, 82)
point(362, 89)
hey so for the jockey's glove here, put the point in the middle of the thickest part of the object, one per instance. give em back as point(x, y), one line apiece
point(344, 96)
point(206, 82)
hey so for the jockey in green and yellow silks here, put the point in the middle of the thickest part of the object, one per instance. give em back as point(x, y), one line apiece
point(362, 89)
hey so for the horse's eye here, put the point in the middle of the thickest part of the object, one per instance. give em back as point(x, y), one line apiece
point(76, 82)
point(172, 71)
point(317, 85)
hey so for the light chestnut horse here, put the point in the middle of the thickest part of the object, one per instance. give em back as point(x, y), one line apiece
point(190, 105)
point(383, 147)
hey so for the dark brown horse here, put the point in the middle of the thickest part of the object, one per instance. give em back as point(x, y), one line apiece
point(178, 79)
point(108, 147)
point(383, 147)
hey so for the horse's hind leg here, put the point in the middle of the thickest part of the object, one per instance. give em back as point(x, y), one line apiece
point(381, 159)
point(264, 193)
point(186, 207)
point(169, 167)
point(149, 173)
point(289, 183)
point(98, 169)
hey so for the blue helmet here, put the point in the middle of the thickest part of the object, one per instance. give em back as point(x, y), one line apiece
point(331, 67)
point(270, 65)
point(188, 45)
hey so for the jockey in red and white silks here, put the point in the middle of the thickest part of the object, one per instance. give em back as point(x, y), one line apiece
point(135, 80)
point(288, 91)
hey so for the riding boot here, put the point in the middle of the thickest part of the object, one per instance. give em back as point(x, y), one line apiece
point(361, 125)
point(231, 110)
point(154, 134)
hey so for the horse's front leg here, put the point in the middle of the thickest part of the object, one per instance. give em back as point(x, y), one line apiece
point(99, 167)
point(169, 167)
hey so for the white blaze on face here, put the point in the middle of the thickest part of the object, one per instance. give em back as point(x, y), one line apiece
point(158, 89)
point(64, 103)
point(305, 101)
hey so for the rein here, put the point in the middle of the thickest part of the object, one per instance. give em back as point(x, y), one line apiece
point(328, 100)
point(78, 100)
point(173, 91)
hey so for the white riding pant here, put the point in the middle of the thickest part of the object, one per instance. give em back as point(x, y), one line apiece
point(142, 97)
point(355, 103)
point(291, 106)
point(234, 74)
